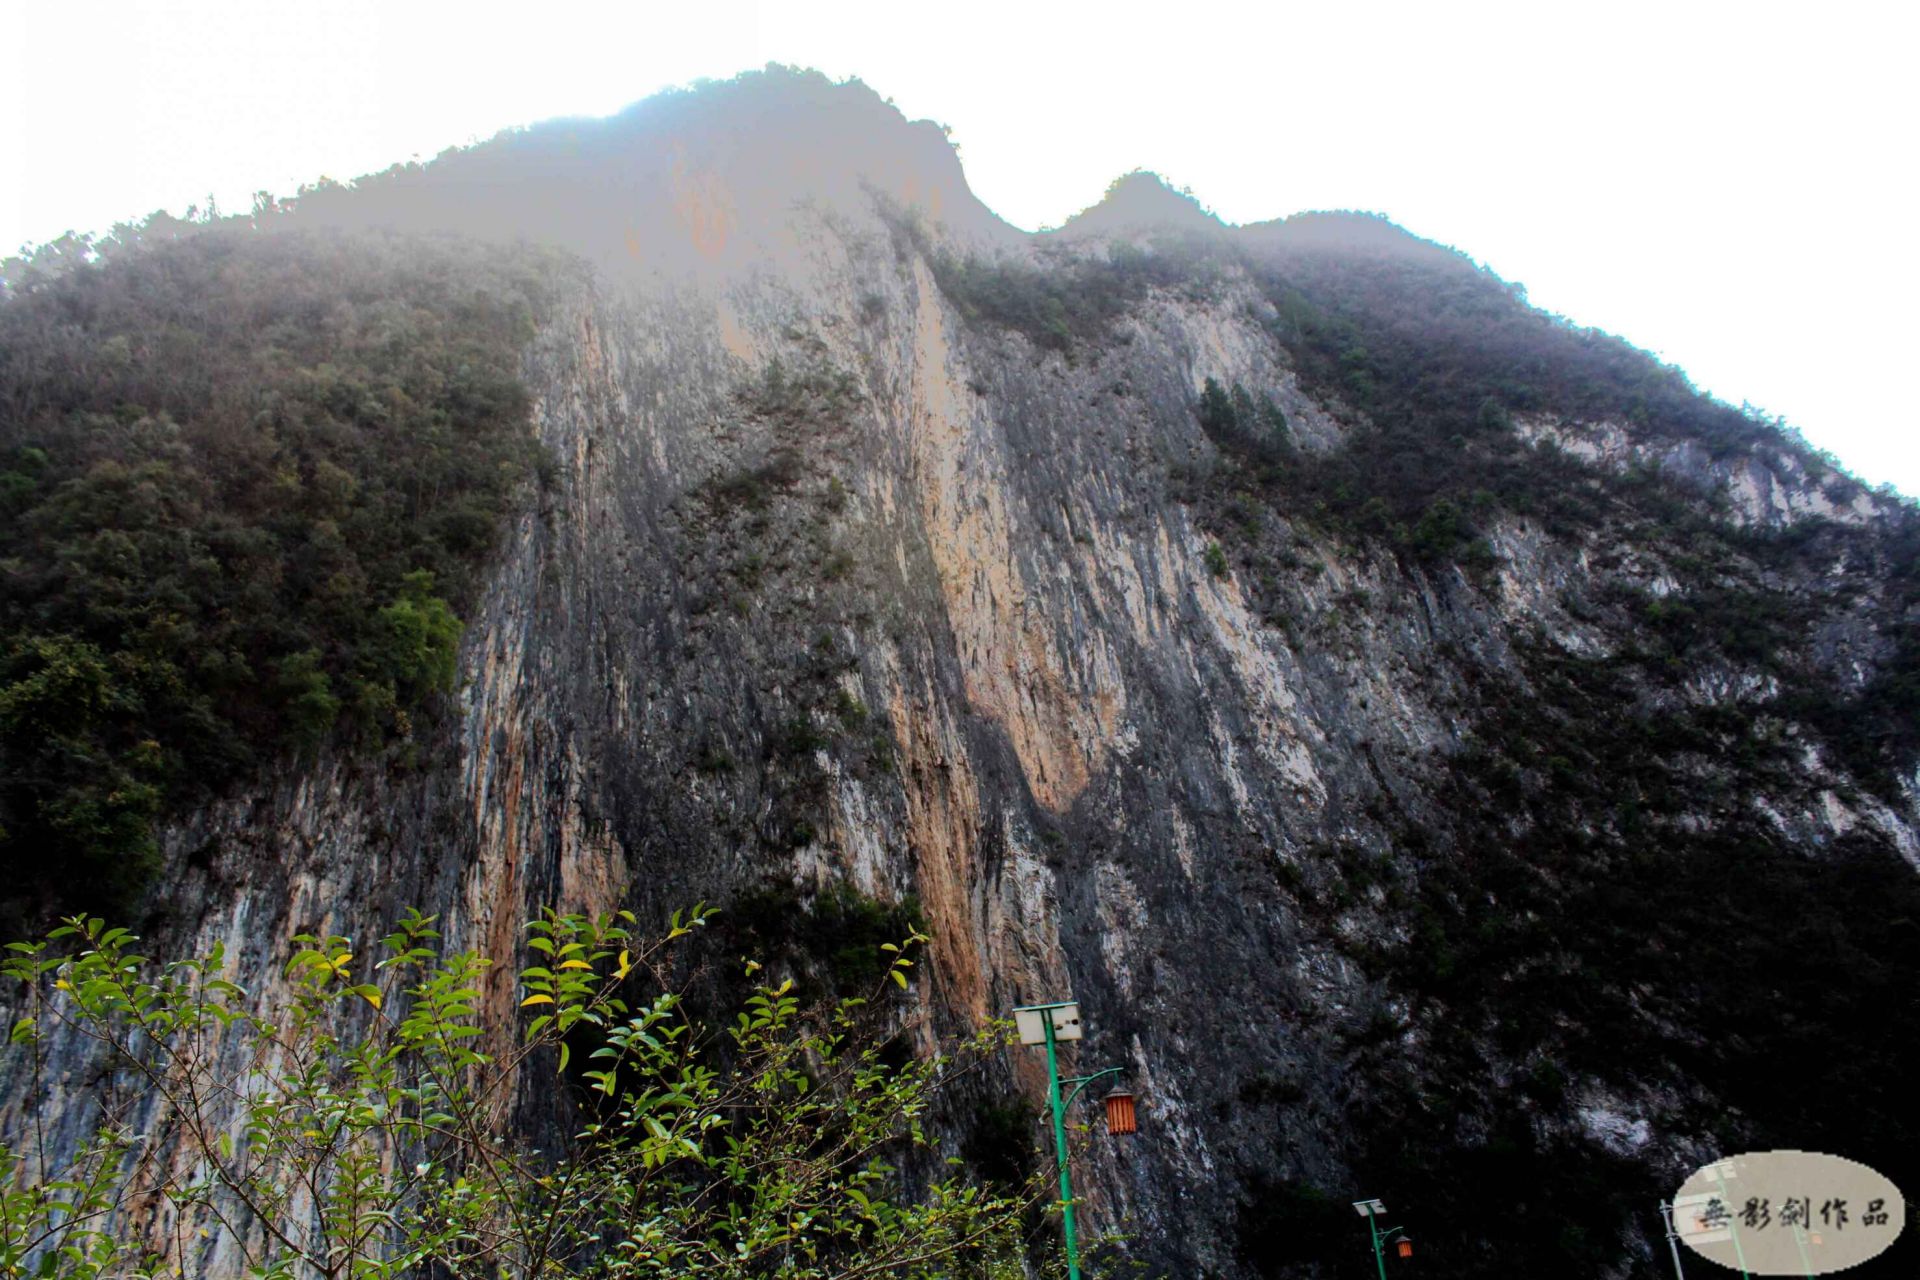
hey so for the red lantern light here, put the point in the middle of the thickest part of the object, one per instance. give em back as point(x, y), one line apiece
point(1406, 1247)
point(1120, 1117)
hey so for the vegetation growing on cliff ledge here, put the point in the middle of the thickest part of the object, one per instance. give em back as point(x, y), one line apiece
point(246, 479)
point(1435, 360)
point(1068, 296)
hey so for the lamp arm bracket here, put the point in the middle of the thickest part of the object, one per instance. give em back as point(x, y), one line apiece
point(1081, 1082)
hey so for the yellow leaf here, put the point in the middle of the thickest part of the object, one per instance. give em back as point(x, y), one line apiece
point(536, 999)
point(626, 963)
point(575, 964)
point(371, 997)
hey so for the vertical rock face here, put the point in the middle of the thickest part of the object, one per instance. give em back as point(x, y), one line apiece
point(843, 582)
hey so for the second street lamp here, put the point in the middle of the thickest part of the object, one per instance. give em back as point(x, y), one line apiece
point(1371, 1211)
point(1049, 1024)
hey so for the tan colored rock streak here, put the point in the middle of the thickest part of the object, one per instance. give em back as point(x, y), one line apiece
point(943, 825)
point(1056, 716)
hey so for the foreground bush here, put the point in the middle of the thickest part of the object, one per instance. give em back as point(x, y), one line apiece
point(364, 1130)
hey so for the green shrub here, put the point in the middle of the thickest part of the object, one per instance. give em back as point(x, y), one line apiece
point(307, 694)
point(769, 1139)
point(752, 487)
point(420, 638)
point(837, 938)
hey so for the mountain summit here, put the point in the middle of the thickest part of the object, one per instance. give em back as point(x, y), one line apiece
point(1141, 201)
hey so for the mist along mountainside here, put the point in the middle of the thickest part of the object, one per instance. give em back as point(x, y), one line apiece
point(1448, 758)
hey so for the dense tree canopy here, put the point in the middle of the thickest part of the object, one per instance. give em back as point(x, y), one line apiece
point(245, 480)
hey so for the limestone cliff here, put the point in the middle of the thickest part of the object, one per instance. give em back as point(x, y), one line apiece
point(1035, 577)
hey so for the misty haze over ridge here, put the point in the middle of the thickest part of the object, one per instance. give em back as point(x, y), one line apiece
point(695, 182)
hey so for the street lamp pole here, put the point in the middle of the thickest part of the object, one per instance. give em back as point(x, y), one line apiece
point(1060, 1151)
point(1721, 1173)
point(1370, 1210)
point(1049, 1024)
point(1673, 1238)
point(1800, 1242)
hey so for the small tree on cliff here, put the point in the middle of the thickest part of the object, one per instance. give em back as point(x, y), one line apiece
point(362, 1130)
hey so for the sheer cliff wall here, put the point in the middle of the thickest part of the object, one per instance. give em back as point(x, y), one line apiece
point(836, 584)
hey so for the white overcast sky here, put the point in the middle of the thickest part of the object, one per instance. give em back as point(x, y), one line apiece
point(1729, 185)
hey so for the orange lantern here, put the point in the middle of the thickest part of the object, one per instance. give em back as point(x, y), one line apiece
point(1120, 1117)
point(1406, 1247)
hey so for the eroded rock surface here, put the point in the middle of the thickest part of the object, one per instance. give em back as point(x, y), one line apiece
point(839, 584)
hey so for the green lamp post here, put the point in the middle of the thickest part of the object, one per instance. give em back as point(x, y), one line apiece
point(1673, 1239)
point(1371, 1211)
point(1725, 1170)
point(1049, 1024)
point(1800, 1242)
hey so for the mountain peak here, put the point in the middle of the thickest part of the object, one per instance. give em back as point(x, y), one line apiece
point(1139, 201)
point(703, 176)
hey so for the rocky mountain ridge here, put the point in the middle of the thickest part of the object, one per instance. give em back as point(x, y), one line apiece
point(1405, 723)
